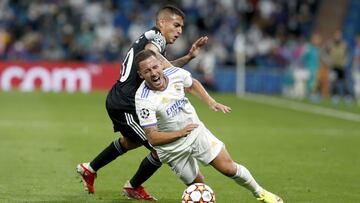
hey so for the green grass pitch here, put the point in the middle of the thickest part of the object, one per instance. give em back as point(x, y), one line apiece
point(303, 157)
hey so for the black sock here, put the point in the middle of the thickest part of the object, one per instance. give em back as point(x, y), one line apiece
point(146, 169)
point(107, 155)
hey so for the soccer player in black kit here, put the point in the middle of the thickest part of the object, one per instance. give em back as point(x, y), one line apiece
point(120, 104)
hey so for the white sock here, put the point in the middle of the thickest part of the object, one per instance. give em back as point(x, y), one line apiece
point(244, 178)
point(89, 167)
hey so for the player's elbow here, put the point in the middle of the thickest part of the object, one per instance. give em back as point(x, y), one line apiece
point(155, 142)
point(152, 139)
point(188, 89)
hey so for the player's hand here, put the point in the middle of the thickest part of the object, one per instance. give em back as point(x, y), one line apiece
point(195, 47)
point(215, 106)
point(187, 130)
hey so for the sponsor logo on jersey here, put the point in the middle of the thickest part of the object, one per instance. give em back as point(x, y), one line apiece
point(176, 107)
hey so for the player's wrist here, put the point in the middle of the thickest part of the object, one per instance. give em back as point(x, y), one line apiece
point(181, 133)
point(211, 102)
point(190, 56)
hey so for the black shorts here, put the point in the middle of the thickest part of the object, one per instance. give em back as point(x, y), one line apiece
point(127, 123)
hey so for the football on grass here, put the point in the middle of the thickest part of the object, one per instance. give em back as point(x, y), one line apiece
point(198, 193)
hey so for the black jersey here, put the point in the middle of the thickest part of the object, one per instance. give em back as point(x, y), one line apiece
point(122, 94)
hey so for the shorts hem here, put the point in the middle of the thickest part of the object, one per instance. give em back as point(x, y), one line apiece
point(215, 154)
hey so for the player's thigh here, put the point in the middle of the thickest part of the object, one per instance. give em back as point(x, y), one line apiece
point(210, 150)
point(224, 164)
point(128, 125)
point(129, 144)
point(206, 146)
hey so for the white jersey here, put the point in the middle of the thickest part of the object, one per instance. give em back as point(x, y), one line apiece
point(169, 109)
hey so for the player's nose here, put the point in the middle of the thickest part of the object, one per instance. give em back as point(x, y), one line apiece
point(152, 72)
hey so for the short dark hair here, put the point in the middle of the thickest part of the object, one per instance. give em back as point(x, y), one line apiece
point(143, 55)
point(171, 9)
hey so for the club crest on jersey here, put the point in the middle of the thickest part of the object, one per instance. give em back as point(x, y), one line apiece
point(144, 113)
point(177, 87)
point(165, 100)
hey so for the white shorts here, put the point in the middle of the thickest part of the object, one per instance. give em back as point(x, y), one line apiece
point(204, 148)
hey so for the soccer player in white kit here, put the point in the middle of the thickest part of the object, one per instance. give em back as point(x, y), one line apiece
point(173, 128)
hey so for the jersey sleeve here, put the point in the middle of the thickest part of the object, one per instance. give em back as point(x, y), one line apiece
point(157, 39)
point(186, 77)
point(146, 112)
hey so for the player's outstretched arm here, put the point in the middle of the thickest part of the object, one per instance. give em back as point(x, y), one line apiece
point(156, 137)
point(193, 52)
point(198, 90)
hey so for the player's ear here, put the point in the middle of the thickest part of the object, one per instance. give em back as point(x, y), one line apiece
point(140, 75)
point(160, 23)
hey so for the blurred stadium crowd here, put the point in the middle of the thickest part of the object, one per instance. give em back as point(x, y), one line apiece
point(98, 30)
point(276, 33)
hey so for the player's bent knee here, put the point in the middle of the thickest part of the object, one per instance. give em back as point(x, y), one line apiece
point(128, 144)
point(154, 154)
point(227, 168)
point(231, 172)
point(224, 164)
point(199, 178)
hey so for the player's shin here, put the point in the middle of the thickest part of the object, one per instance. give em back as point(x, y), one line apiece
point(146, 169)
point(244, 178)
point(107, 155)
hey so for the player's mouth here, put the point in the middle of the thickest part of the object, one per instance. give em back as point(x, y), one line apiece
point(156, 80)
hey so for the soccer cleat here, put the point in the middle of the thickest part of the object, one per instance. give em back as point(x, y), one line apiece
point(138, 193)
point(87, 177)
point(268, 197)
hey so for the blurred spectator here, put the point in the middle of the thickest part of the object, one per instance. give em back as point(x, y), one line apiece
point(5, 39)
point(95, 30)
point(356, 69)
point(204, 67)
point(337, 57)
point(311, 61)
point(293, 52)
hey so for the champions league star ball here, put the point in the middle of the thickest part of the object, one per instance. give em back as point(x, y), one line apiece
point(198, 193)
